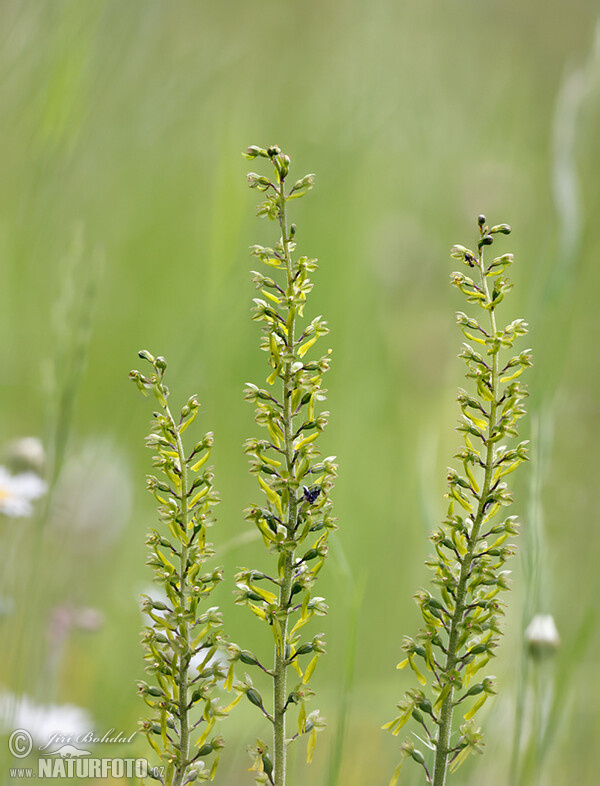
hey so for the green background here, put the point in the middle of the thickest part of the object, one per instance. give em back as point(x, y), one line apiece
point(124, 213)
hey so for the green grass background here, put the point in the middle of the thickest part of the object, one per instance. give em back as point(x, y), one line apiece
point(120, 139)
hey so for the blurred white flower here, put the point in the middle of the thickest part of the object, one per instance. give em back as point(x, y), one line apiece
point(542, 636)
point(154, 592)
point(42, 720)
point(220, 658)
point(18, 491)
point(92, 501)
point(26, 454)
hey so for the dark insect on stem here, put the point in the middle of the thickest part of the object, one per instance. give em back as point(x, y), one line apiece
point(310, 495)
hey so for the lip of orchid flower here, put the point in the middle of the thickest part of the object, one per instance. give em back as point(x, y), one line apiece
point(17, 492)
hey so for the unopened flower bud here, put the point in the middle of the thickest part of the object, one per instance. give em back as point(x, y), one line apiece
point(254, 697)
point(542, 636)
point(503, 228)
point(248, 658)
point(253, 151)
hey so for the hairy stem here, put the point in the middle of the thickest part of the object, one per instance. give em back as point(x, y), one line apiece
point(447, 708)
point(279, 681)
point(182, 675)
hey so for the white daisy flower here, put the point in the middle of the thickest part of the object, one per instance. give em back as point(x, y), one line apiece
point(18, 491)
point(42, 720)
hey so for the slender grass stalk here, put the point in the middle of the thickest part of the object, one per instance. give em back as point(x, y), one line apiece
point(356, 594)
point(296, 484)
point(182, 641)
point(71, 319)
point(462, 618)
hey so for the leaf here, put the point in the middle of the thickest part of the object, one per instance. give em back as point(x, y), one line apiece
point(398, 723)
point(209, 727)
point(215, 764)
point(272, 495)
point(310, 747)
point(418, 674)
point(301, 443)
point(311, 407)
point(301, 718)
point(501, 471)
point(268, 597)
point(275, 433)
point(517, 373)
point(277, 633)
point(479, 422)
point(264, 530)
point(396, 775)
point(229, 681)
point(463, 501)
point(478, 704)
point(460, 759)
point(260, 613)
point(270, 461)
point(232, 704)
point(270, 295)
point(473, 338)
point(310, 669)
point(442, 697)
point(201, 462)
point(163, 726)
point(150, 738)
point(197, 497)
point(272, 377)
point(306, 346)
point(188, 421)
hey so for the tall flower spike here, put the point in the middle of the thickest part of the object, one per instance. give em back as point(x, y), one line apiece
point(461, 613)
point(294, 518)
point(183, 637)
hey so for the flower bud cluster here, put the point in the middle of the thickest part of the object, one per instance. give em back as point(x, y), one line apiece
point(183, 640)
point(294, 517)
point(461, 614)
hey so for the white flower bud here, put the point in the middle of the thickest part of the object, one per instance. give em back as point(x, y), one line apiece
point(542, 636)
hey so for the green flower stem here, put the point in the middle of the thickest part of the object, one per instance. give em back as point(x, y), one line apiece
point(462, 615)
point(296, 484)
point(447, 708)
point(279, 681)
point(184, 633)
point(176, 631)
